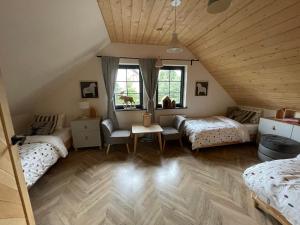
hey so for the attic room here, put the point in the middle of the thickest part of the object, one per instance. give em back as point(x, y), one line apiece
point(158, 112)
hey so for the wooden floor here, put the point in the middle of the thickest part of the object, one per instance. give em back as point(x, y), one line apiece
point(179, 187)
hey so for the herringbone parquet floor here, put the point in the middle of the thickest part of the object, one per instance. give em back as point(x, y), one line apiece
point(178, 187)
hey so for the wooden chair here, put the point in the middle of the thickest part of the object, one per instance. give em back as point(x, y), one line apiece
point(175, 132)
point(112, 137)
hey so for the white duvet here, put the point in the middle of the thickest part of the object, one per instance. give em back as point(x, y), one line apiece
point(277, 183)
point(38, 154)
point(215, 130)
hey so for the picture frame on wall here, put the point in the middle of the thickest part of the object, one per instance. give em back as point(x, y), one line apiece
point(201, 88)
point(89, 89)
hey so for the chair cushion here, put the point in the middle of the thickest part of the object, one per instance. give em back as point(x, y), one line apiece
point(119, 137)
point(170, 133)
point(120, 134)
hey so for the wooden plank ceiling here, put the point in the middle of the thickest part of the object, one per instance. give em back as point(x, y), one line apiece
point(252, 49)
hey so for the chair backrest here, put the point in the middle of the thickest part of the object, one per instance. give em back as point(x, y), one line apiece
point(179, 122)
point(107, 127)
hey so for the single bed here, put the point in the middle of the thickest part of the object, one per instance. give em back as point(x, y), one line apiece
point(275, 187)
point(38, 153)
point(215, 131)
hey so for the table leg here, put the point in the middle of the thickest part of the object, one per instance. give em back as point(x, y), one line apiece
point(135, 142)
point(159, 140)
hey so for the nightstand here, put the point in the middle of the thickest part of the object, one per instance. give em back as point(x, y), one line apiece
point(86, 133)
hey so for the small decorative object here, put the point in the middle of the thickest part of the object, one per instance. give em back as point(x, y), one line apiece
point(173, 104)
point(126, 100)
point(147, 119)
point(89, 89)
point(85, 109)
point(284, 113)
point(280, 113)
point(93, 112)
point(168, 104)
point(290, 114)
point(201, 88)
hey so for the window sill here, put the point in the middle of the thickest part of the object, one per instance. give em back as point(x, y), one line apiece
point(172, 109)
point(125, 110)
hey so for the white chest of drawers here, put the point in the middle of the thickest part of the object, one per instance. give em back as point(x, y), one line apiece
point(86, 133)
point(271, 126)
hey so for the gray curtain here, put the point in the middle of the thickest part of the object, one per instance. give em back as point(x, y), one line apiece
point(150, 77)
point(110, 67)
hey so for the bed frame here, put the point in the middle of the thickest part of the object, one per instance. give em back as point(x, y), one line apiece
point(269, 210)
point(69, 143)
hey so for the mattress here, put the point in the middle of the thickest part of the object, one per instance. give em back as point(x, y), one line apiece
point(277, 183)
point(251, 128)
point(64, 134)
point(216, 130)
point(38, 154)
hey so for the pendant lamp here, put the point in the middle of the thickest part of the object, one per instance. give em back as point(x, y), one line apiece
point(175, 46)
point(218, 6)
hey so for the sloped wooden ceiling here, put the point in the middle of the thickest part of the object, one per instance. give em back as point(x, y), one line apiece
point(252, 49)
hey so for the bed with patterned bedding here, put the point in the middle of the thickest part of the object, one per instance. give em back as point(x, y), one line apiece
point(213, 131)
point(38, 154)
point(277, 184)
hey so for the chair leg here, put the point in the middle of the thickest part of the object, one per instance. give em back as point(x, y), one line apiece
point(107, 150)
point(180, 142)
point(128, 149)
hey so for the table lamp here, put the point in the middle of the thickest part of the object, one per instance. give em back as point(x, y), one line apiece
point(85, 109)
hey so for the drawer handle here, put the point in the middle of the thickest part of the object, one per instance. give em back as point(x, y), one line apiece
point(274, 128)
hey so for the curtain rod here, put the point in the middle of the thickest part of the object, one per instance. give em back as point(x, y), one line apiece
point(186, 60)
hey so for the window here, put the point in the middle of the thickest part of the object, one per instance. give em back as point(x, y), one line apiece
point(170, 83)
point(129, 83)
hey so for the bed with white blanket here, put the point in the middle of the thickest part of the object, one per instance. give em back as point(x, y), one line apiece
point(215, 131)
point(276, 187)
point(38, 154)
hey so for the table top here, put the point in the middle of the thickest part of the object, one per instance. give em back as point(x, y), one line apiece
point(140, 129)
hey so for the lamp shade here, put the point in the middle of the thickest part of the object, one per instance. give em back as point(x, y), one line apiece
point(218, 6)
point(174, 46)
point(84, 105)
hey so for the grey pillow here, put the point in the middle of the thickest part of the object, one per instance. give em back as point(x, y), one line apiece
point(242, 116)
point(40, 128)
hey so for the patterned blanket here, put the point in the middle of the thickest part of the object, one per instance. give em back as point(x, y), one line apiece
point(215, 130)
point(38, 154)
point(277, 183)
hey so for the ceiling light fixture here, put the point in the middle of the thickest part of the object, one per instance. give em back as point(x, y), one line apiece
point(175, 46)
point(218, 6)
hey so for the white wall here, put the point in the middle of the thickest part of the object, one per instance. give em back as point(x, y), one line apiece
point(63, 94)
point(42, 39)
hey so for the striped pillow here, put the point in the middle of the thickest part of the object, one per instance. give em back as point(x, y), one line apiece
point(48, 118)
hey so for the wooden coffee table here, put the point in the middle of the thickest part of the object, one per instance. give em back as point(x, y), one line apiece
point(138, 129)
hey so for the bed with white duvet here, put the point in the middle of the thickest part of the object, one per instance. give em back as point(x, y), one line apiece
point(214, 131)
point(277, 184)
point(38, 154)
